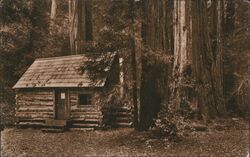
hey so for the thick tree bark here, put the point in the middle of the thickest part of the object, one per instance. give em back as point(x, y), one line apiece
point(197, 57)
point(181, 53)
point(229, 16)
point(80, 24)
point(157, 35)
point(134, 65)
point(207, 52)
point(216, 47)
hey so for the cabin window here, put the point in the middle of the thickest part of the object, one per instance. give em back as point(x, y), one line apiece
point(84, 99)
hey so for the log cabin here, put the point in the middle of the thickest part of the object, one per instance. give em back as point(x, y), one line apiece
point(55, 92)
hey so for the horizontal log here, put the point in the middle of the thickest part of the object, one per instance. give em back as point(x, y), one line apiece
point(30, 119)
point(30, 124)
point(89, 120)
point(85, 113)
point(73, 105)
point(35, 103)
point(86, 116)
point(23, 93)
point(34, 117)
point(81, 129)
point(35, 109)
point(73, 96)
point(119, 119)
point(73, 101)
point(123, 124)
point(84, 125)
point(34, 113)
point(118, 108)
point(85, 108)
point(117, 113)
point(37, 98)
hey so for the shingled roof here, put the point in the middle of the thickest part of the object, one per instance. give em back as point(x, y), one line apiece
point(62, 72)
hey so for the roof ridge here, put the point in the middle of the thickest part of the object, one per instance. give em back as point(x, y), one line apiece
point(68, 56)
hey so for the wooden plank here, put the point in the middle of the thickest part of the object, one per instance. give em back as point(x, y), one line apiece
point(85, 108)
point(34, 103)
point(73, 101)
point(35, 109)
point(32, 114)
point(30, 124)
point(34, 93)
point(124, 124)
point(82, 129)
point(34, 117)
point(118, 114)
point(36, 98)
point(85, 113)
point(84, 125)
point(86, 120)
point(30, 119)
point(52, 122)
point(75, 97)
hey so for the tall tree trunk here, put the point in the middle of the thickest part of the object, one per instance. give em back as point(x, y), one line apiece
point(202, 59)
point(157, 35)
point(229, 16)
point(216, 47)
point(80, 24)
point(53, 9)
point(207, 52)
point(181, 53)
point(133, 65)
point(52, 15)
point(197, 57)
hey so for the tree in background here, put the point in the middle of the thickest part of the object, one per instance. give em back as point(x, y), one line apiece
point(236, 56)
point(26, 35)
point(80, 16)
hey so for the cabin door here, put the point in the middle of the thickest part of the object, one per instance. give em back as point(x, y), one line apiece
point(61, 105)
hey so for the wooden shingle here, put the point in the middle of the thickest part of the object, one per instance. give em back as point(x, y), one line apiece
point(62, 72)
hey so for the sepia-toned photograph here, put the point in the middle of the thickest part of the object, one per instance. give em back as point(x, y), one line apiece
point(124, 78)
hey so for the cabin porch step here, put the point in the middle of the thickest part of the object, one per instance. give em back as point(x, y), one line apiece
point(52, 125)
point(55, 123)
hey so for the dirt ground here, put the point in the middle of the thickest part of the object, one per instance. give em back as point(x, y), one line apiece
point(227, 141)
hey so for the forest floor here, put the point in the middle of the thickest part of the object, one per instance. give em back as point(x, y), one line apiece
point(230, 139)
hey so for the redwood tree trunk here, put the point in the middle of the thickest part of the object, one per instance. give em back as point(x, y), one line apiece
point(197, 68)
point(157, 35)
point(80, 24)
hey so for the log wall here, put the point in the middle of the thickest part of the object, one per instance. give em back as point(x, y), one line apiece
point(34, 106)
point(84, 116)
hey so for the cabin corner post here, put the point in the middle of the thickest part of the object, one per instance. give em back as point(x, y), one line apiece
point(16, 105)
